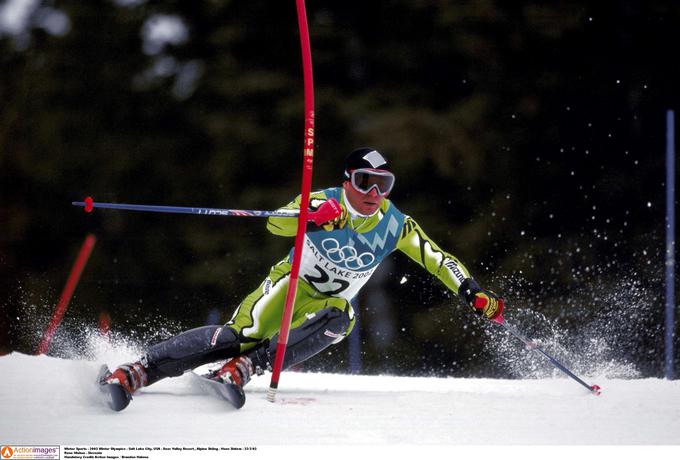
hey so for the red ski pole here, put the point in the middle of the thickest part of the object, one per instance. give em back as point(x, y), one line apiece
point(308, 160)
point(67, 293)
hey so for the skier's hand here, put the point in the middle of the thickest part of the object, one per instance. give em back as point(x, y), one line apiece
point(487, 303)
point(329, 215)
point(483, 302)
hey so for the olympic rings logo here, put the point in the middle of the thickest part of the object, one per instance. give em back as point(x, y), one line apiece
point(347, 254)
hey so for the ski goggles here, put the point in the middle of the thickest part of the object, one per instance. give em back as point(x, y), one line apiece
point(364, 180)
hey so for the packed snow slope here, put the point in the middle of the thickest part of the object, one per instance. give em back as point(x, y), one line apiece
point(48, 400)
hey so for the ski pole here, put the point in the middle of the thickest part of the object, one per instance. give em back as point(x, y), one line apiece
point(89, 204)
point(532, 345)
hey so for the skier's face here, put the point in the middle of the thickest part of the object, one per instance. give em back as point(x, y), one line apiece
point(365, 203)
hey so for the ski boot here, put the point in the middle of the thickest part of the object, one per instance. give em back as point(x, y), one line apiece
point(236, 371)
point(120, 384)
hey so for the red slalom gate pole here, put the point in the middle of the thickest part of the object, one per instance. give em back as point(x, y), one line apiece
point(67, 293)
point(104, 325)
point(308, 160)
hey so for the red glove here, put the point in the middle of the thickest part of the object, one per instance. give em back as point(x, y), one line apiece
point(329, 214)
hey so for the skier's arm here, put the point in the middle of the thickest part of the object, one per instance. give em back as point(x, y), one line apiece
point(418, 246)
point(286, 226)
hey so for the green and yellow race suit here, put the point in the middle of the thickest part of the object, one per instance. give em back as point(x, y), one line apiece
point(336, 264)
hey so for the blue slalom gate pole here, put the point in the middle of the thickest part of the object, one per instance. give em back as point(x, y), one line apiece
point(670, 242)
point(354, 340)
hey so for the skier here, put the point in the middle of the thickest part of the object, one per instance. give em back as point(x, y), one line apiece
point(354, 228)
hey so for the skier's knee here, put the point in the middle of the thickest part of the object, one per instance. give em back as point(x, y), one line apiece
point(339, 324)
point(341, 317)
point(321, 329)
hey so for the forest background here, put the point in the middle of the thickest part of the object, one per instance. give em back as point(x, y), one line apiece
point(527, 139)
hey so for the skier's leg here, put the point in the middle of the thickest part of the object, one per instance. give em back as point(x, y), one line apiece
point(323, 323)
point(258, 317)
point(252, 333)
point(188, 350)
point(318, 321)
point(202, 345)
point(172, 357)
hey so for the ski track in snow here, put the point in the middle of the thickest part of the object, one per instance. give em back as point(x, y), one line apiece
point(49, 400)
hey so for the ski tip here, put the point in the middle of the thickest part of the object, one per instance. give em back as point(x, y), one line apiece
point(89, 204)
point(119, 397)
point(596, 390)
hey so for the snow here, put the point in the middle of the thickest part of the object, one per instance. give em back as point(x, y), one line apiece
point(53, 401)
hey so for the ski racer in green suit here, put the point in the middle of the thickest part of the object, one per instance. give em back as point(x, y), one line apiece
point(353, 228)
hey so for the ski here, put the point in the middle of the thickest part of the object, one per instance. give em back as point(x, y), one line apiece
point(115, 395)
point(229, 392)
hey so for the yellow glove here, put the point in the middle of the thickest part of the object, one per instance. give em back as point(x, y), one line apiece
point(483, 302)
